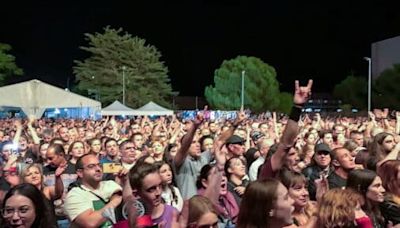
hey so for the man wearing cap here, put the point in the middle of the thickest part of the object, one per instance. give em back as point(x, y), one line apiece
point(321, 166)
point(235, 146)
point(253, 153)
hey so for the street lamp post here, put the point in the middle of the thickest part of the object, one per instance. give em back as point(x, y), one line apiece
point(123, 84)
point(68, 83)
point(243, 72)
point(97, 89)
point(369, 82)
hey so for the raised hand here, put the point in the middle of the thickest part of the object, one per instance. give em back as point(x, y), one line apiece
point(385, 113)
point(378, 113)
point(302, 93)
point(31, 119)
point(60, 169)
point(371, 115)
point(18, 124)
point(219, 154)
point(241, 116)
point(199, 119)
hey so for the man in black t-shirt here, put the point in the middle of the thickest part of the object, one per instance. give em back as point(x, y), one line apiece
point(343, 163)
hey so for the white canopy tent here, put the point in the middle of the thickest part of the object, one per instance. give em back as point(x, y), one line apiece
point(153, 109)
point(116, 109)
point(35, 96)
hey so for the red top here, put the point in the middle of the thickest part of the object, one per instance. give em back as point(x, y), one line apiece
point(266, 170)
point(364, 222)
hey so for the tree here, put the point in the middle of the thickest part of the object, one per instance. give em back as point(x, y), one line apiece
point(8, 67)
point(261, 90)
point(285, 102)
point(352, 90)
point(114, 54)
point(386, 91)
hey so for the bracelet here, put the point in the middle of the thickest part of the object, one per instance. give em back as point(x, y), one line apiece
point(295, 113)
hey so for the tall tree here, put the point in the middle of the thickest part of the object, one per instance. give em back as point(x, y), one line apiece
point(115, 54)
point(386, 93)
point(352, 90)
point(285, 102)
point(261, 89)
point(8, 67)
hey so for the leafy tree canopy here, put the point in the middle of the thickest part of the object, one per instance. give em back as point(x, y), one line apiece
point(353, 90)
point(8, 67)
point(261, 89)
point(114, 54)
point(386, 93)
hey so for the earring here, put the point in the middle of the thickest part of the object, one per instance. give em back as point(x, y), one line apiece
point(270, 213)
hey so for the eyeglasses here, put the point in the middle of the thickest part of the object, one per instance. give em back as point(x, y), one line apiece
point(9, 212)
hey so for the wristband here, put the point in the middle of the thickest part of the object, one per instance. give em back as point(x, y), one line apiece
point(295, 113)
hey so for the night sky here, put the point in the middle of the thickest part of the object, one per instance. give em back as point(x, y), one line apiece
point(323, 40)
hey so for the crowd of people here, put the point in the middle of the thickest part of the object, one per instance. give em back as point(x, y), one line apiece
point(281, 171)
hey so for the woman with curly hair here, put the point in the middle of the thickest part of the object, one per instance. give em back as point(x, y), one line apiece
point(341, 208)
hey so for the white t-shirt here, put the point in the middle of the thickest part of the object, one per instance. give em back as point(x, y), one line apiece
point(81, 199)
point(253, 171)
point(168, 198)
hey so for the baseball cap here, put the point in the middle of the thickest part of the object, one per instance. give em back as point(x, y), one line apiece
point(322, 147)
point(256, 135)
point(234, 139)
